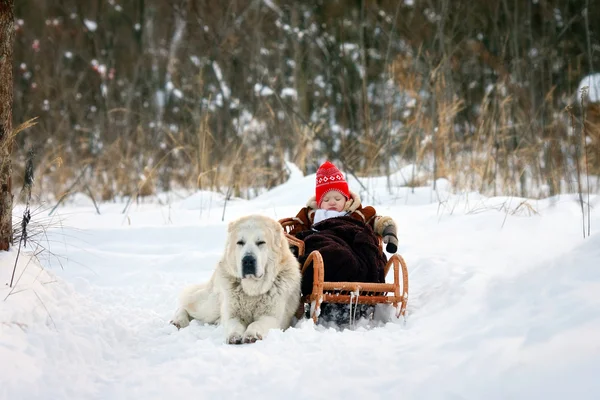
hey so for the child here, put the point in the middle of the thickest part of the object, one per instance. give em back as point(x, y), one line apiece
point(346, 234)
point(334, 199)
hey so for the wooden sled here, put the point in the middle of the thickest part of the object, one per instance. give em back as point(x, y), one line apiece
point(395, 293)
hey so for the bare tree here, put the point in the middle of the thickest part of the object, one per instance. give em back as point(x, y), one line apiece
point(6, 98)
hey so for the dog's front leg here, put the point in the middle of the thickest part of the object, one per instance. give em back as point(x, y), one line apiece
point(259, 329)
point(234, 327)
point(234, 331)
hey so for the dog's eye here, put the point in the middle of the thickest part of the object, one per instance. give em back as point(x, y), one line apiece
point(241, 243)
point(260, 242)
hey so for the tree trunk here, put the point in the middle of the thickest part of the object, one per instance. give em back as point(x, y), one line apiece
point(6, 98)
point(299, 64)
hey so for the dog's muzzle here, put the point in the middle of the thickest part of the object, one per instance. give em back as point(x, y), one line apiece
point(248, 266)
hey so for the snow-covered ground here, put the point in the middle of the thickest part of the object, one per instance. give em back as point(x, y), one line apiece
point(504, 303)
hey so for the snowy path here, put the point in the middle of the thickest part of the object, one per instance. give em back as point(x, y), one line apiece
point(495, 312)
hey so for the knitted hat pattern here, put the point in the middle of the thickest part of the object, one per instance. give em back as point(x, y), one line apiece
point(330, 178)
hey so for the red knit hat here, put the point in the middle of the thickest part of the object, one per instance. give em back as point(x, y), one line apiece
point(330, 178)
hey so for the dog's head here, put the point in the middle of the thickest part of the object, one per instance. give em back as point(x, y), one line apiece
point(253, 250)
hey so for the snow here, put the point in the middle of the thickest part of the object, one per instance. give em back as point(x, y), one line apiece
point(224, 88)
point(504, 303)
point(195, 60)
point(262, 90)
point(593, 84)
point(273, 7)
point(91, 25)
point(289, 92)
point(159, 97)
point(178, 93)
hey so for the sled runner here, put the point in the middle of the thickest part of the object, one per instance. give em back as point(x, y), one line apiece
point(395, 293)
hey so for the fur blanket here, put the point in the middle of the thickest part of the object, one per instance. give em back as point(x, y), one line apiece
point(350, 251)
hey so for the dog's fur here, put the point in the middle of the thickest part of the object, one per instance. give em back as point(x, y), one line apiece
point(248, 297)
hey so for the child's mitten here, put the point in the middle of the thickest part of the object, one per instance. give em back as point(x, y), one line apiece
point(390, 239)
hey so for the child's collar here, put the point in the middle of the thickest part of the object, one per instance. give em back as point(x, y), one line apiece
point(322, 215)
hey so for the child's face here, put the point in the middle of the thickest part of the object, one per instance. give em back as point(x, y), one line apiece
point(333, 200)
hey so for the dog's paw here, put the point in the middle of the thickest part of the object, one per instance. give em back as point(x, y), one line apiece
point(252, 338)
point(179, 324)
point(254, 332)
point(247, 337)
point(181, 319)
point(235, 339)
point(234, 331)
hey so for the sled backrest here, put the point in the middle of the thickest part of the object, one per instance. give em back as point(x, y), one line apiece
point(296, 245)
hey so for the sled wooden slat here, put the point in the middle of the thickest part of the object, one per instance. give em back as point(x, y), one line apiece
point(295, 242)
point(395, 293)
point(335, 298)
point(316, 297)
point(359, 286)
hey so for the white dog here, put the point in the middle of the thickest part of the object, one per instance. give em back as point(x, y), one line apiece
point(254, 288)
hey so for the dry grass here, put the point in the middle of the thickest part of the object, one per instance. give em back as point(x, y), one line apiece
point(493, 159)
point(496, 154)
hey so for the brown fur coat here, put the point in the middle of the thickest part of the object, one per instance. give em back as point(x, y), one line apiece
point(350, 251)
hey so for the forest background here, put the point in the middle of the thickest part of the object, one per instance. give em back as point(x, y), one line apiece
point(136, 97)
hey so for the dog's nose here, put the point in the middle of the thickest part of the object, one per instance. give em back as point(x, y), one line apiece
point(248, 266)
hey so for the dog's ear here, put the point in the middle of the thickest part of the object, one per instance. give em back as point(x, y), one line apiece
point(275, 228)
point(273, 233)
point(228, 233)
point(230, 226)
point(281, 241)
point(229, 240)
